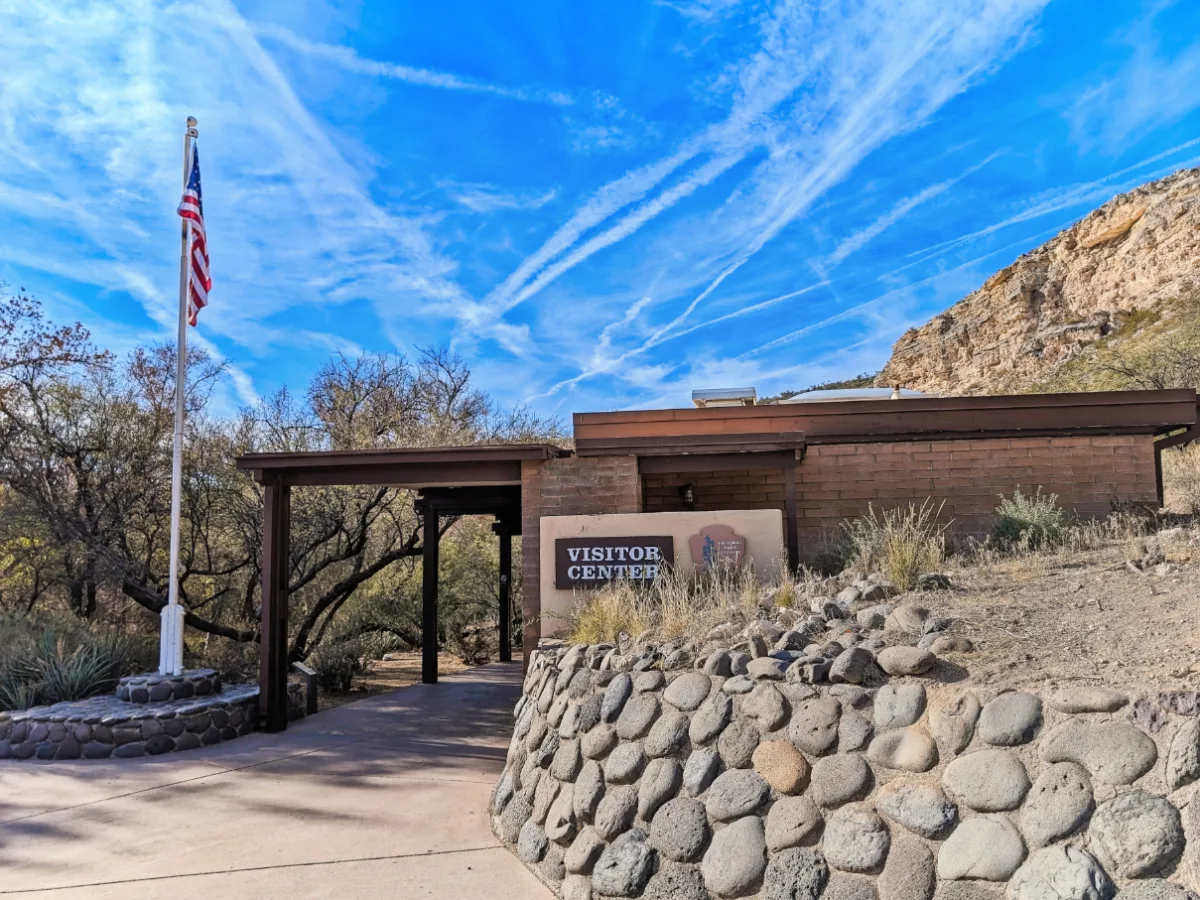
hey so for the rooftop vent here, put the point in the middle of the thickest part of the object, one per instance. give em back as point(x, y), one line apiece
point(724, 397)
point(896, 393)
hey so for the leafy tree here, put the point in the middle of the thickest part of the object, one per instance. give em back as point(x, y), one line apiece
point(85, 458)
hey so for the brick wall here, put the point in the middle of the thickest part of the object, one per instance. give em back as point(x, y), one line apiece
point(750, 489)
point(571, 486)
point(840, 480)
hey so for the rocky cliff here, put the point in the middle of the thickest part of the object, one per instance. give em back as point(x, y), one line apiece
point(1135, 253)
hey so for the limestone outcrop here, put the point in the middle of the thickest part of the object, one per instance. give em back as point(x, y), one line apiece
point(1134, 253)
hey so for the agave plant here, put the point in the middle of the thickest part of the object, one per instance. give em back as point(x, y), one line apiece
point(56, 666)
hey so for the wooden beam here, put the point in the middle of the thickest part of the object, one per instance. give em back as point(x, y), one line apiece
point(414, 475)
point(791, 517)
point(273, 647)
point(429, 598)
point(504, 531)
point(716, 462)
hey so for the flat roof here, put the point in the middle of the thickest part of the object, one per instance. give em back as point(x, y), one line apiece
point(417, 467)
point(910, 418)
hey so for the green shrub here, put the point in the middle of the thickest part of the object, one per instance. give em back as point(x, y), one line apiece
point(475, 643)
point(338, 662)
point(1030, 521)
point(902, 544)
point(49, 664)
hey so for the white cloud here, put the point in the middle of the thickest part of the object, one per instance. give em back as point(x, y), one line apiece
point(826, 87)
point(346, 59)
point(1156, 87)
point(487, 198)
point(94, 111)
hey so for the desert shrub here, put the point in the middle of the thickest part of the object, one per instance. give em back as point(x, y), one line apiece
point(902, 543)
point(337, 662)
point(475, 643)
point(235, 662)
point(1030, 521)
point(43, 664)
point(1181, 480)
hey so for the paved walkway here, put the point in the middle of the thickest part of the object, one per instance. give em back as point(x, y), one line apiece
point(386, 798)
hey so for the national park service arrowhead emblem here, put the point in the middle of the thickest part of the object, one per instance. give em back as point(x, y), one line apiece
point(717, 545)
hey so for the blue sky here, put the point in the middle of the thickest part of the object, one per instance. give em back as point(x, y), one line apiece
point(599, 205)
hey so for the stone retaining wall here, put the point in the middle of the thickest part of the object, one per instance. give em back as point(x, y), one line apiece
point(694, 783)
point(103, 727)
point(155, 688)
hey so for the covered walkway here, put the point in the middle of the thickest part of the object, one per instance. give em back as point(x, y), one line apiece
point(469, 480)
point(383, 798)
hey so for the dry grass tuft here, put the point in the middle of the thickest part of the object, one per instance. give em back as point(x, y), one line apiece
point(902, 543)
point(674, 605)
point(1181, 480)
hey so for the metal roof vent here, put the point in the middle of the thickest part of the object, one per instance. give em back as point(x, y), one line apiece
point(724, 397)
point(829, 396)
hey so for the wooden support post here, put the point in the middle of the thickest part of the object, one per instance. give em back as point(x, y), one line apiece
point(429, 597)
point(273, 641)
point(504, 530)
point(791, 516)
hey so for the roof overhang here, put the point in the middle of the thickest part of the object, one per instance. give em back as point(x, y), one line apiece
point(417, 467)
point(639, 432)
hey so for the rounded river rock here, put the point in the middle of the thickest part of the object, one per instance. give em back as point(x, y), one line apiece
point(680, 830)
point(814, 727)
point(838, 779)
point(985, 847)
point(921, 808)
point(1136, 834)
point(736, 793)
point(1114, 752)
point(790, 821)
point(1062, 872)
point(798, 873)
point(907, 749)
point(987, 780)
point(783, 766)
point(736, 858)
point(856, 840)
point(1059, 802)
point(1010, 719)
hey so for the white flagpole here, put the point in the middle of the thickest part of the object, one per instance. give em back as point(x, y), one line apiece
point(170, 653)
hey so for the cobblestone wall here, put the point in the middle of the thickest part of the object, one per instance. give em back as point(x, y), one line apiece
point(733, 777)
point(106, 726)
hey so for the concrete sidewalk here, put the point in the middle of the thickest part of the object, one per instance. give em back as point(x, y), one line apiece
point(386, 797)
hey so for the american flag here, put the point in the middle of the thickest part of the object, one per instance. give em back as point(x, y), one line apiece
point(191, 207)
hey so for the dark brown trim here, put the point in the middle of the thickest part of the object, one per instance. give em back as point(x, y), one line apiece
point(429, 596)
point(273, 647)
point(953, 418)
point(717, 462)
point(695, 444)
point(503, 529)
point(411, 475)
point(791, 517)
point(467, 453)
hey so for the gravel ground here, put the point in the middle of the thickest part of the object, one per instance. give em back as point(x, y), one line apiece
point(1082, 616)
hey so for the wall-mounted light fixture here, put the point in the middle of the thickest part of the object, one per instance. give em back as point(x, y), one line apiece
point(687, 494)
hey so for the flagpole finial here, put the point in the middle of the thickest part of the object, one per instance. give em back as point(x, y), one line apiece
point(191, 127)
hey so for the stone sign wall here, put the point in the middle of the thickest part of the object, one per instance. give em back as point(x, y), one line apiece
point(757, 535)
